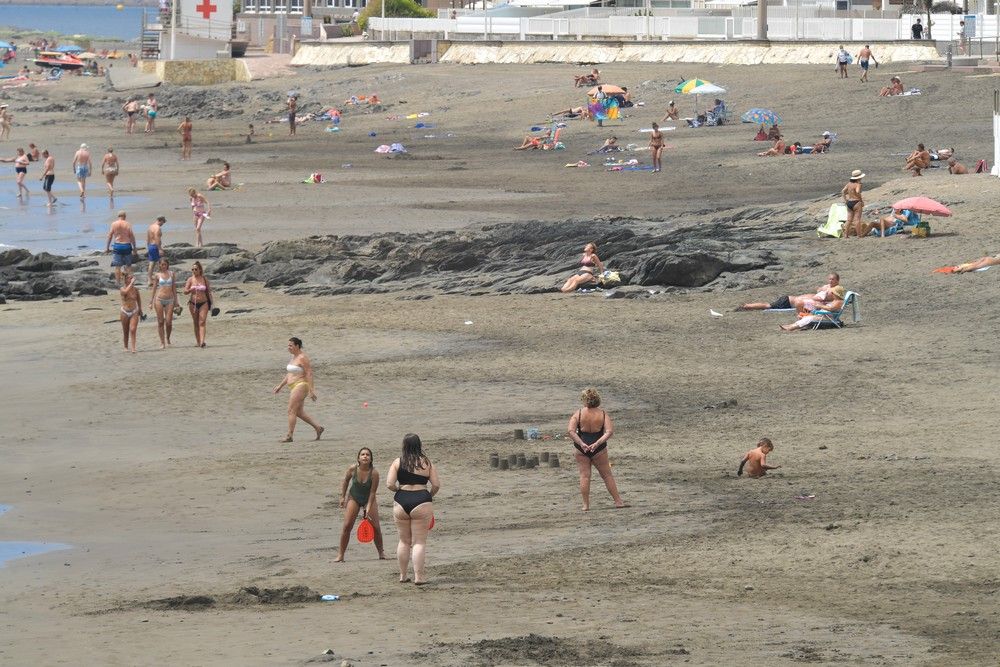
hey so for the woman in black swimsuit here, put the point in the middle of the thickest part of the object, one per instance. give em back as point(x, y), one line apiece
point(412, 506)
point(590, 428)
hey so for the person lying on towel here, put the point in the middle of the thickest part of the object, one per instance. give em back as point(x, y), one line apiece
point(983, 263)
point(531, 142)
point(821, 295)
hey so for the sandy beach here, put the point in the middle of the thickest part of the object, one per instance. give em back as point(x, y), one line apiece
point(163, 472)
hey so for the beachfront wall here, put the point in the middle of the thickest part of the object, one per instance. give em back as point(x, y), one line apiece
point(656, 28)
point(516, 52)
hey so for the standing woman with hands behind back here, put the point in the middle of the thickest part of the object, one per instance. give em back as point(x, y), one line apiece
point(356, 495)
point(413, 507)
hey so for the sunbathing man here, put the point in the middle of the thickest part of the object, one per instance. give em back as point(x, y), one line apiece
point(756, 459)
point(777, 149)
point(574, 112)
point(890, 224)
point(823, 145)
point(532, 142)
point(587, 79)
point(810, 311)
point(610, 145)
point(672, 113)
point(956, 167)
point(822, 295)
point(221, 181)
point(982, 263)
point(918, 160)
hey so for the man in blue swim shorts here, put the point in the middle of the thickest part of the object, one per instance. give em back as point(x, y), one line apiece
point(864, 55)
point(121, 243)
point(81, 167)
point(153, 244)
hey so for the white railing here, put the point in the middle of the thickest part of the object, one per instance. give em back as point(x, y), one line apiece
point(622, 27)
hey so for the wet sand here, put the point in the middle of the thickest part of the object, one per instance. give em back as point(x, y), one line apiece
point(164, 470)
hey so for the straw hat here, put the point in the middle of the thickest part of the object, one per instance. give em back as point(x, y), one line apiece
point(857, 175)
point(839, 291)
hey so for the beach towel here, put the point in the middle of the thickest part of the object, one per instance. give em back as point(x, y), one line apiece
point(640, 167)
point(952, 269)
point(911, 91)
point(834, 225)
point(581, 163)
point(982, 167)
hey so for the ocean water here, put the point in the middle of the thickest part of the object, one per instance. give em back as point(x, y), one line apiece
point(11, 550)
point(96, 21)
point(71, 227)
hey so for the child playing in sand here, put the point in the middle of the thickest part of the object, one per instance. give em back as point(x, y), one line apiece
point(756, 459)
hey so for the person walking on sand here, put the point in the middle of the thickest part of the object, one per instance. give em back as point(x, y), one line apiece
point(299, 378)
point(843, 60)
point(164, 300)
point(199, 292)
point(131, 310)
point(109, 167)
point(131, 108)
point(185, 129)
point(82, 167)
point(357, 494)
point(755, 460)
point(6, 120)
point(864, 55)
point(293, 104)
point(202, 211)
point(121, 243)
point(48, 175)
point(656, 147)
point(413, 506)
point(855, 203)
point(20, 161)
point(152, 109)
point(154, 242)
point(590, 428)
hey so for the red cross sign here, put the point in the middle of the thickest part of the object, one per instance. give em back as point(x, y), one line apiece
point(206, 8)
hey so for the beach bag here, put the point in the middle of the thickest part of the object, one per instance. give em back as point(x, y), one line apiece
point(921, 230)
point(609, 279)
point(432, 523)
point(982, 167)
point(366, 531)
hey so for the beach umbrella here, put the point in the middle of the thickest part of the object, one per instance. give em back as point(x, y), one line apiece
point(685, 87)
point(4, 45)
point(69, 48)
point(608, 90)
point(707, 89)
point(924, 205)
point(761, 117)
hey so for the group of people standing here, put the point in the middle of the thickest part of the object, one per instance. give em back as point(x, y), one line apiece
point(163, 285)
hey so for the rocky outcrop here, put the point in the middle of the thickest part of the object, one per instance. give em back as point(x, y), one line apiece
point(706, 250)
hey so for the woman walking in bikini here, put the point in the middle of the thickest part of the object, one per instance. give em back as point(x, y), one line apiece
point(202, 211)
point(413, 506)
point(299, 378)
point(590, 428)
point(164, 301)
point(131, 309)
point(855, 203)
point(656, 147)
point(199, 293)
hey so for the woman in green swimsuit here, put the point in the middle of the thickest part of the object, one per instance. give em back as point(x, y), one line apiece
point(357, 492)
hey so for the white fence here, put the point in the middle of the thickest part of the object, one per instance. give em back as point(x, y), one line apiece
point(471, 26)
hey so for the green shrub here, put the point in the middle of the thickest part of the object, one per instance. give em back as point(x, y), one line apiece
point(394, 8)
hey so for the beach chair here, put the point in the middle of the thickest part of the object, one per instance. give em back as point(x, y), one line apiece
point(553, 141)
point(830, 319)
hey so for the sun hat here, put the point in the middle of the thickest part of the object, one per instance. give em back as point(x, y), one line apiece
point(839, 291)
point(827, 133)
point(83, 145)
point(857, 175)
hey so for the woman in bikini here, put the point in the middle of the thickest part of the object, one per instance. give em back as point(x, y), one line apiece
point(590, 428)
point(855, 204)
point(131, 309)
point(413, 506)
point(358, 494)
point(585, 274)
point(299, 378)
point(164, 300)
point(656, 147)
point(20, 170)
point(199, 293)
point(109, 167)
point(202, 211)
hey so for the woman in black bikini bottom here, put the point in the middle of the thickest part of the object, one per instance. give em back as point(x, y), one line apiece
point(413, 507)
point(590, 428)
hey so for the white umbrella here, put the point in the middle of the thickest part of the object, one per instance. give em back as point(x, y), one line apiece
point(705, 89)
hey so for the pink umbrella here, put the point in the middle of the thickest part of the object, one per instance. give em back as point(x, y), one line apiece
point(924, 205)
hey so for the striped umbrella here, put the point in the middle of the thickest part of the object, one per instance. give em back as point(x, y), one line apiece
point(761, 117)
point(686, 87)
